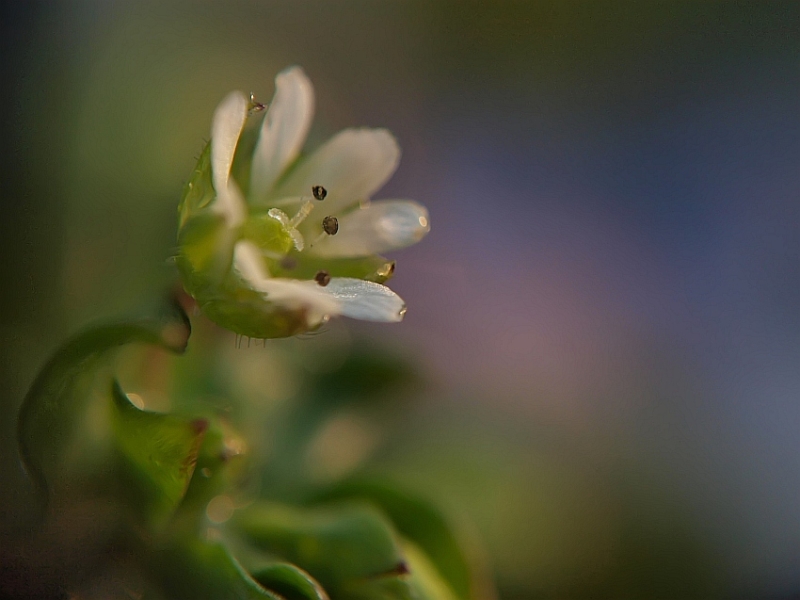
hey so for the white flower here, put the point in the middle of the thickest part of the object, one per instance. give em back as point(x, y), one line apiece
point(280, 241)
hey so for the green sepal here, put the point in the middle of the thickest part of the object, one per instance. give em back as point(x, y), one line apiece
point(205, 254)
point(189, 568)
point(342, 546)
point(204, 262)
point(289, 581)
point(198, 192)
point(248, 313)
point(156, 456)
point(204, 259)
point(58, 396)
point(304, 265)
point(243, 158)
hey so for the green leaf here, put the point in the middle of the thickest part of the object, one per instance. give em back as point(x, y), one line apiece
point(422, 523)
point(394, 586)
point(55, 401)
point(210, 471)
point(157, 454)
point(369, 373)
point(343, 546)
point(289, 581)
point(220, 465)
point(188, 568)
point(426, 580)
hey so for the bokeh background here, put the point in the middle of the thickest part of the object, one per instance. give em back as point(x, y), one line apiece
point(605, 312)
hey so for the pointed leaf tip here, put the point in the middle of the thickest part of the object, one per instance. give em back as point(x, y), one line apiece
point(157, 455)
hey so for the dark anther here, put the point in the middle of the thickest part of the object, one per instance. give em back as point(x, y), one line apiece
point(330, 225)
point(323, 278)
point(319, 192)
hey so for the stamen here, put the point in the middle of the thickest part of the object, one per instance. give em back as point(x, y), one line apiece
point(297, 238)
point(319, 192)
point(330, 225)
point(323, 278)
point(301, 215)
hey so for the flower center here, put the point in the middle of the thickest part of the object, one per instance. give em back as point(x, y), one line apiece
point(330, 224)
point(301, 215)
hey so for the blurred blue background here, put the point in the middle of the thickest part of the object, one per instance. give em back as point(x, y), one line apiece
point(606, 308)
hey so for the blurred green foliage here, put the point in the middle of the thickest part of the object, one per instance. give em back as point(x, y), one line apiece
point(58, 397)
point(183, 502)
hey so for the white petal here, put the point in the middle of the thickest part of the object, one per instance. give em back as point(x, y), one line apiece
point(351, 166)
point(291, 293)
point(379, 227)
point(248, 262)
point(230, 204)
point(226, 127)
point(284, 129)
point(366, 300)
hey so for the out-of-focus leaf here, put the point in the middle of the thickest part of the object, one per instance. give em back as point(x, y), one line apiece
point(367, 374)
point(188, 568)
point(422, 523)
point(395, 586)
point(289, 581)
point(56, 399)
point(414, 579)
point(208, 480)
point(426, 580)
point(343, 546)
point(157, 455)
point(220, 464)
